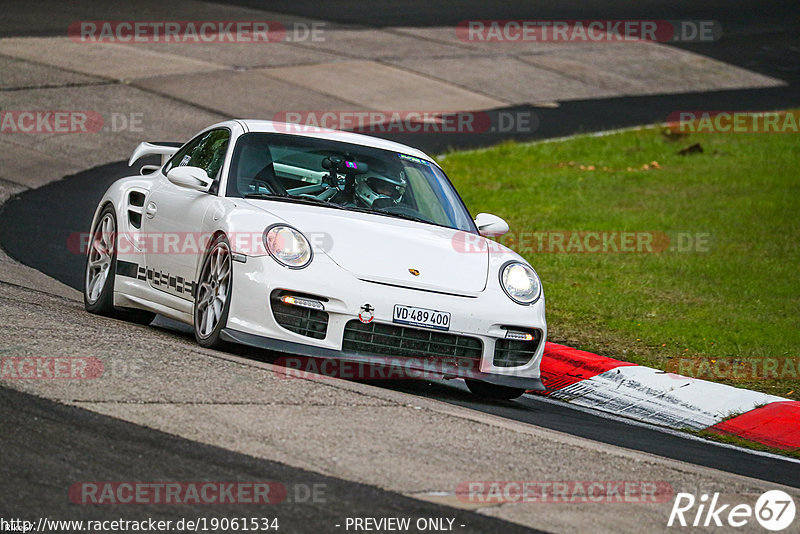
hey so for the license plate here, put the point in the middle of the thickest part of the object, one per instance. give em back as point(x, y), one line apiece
point(423, 317)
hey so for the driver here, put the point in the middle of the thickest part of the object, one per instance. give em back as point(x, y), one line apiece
point(380, 191)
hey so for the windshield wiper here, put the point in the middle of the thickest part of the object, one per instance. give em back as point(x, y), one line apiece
point(296, 200)
point(317, 202)
point(391, 214)
point(400, 216)
point(265, 196)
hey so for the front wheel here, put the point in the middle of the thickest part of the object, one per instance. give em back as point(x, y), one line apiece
point(101, 266)
point(213, 298)
point(98, 287)
point(493, 391)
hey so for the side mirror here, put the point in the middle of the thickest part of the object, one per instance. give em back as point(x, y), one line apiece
point(490, 225)
point(190, 178)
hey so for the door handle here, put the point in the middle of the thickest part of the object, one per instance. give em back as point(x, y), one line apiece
point(151, 210)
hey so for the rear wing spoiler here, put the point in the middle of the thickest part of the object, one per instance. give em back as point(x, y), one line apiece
point(165, 148)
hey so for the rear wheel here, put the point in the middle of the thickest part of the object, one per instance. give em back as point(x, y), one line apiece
point(213, 299)
point(101, 265)
point(493, 391)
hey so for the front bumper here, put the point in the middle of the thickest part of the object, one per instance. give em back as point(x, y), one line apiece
point(485, 316)
point(234, 336)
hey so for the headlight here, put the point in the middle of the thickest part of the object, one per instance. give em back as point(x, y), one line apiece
point(287, 246)
point(520, 282)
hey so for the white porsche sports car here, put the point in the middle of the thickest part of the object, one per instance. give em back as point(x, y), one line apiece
point(319, 243)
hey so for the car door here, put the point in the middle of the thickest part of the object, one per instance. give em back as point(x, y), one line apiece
point(174, 215)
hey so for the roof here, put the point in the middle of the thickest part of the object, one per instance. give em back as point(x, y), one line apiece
point(254, 125)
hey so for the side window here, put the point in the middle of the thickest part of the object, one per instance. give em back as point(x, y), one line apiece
point(206, 152)
point(181, 154)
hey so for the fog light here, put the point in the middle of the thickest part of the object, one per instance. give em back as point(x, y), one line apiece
point(302, 302)
point(519, 336)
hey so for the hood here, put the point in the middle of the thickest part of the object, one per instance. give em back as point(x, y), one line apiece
point(384, 249)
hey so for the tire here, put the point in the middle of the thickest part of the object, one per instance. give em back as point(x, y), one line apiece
point(100, 272)
point(101, 260)
point(213, 297)
point(493, 391)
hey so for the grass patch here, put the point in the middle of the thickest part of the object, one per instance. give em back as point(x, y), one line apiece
point(738, 297)
point(734, 440)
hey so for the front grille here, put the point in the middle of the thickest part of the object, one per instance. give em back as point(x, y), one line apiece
point(303, 321)
point(513, 352)
point(376, 339)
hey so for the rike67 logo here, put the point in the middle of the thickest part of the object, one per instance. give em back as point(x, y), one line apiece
point(774, 510)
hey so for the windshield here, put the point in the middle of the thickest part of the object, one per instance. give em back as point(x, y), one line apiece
point(345, 176)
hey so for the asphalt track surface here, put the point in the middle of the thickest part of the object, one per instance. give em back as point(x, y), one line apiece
point(762, 37)
point(36, 226)
point(68, 445)
point(759, 36)
point(451, 12)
